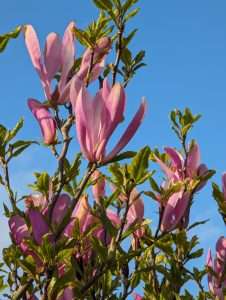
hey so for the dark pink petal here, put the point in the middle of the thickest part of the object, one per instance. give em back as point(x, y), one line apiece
point(221, 249)
point(46, 122)
point(176, 157)
point(62, 204)
point(129, 133)
point(52, 55)
point(193, 160)
point(67, 294)
point(38, 224)
point(67, 55)
point(18, 228)
point(174, 210)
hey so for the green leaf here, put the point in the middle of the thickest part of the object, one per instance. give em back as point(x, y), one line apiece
point(105, 5)
point(122, 156)
point(139, 164)
point(4, 39)
point(12, 133)
point(132, 14)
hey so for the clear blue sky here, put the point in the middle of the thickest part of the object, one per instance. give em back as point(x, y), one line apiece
point(185, 43)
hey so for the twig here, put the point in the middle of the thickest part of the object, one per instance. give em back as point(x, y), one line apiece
point(119, 53)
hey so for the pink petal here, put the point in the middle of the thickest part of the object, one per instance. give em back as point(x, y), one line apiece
point(67, 55)
point(52, 55)
point(84, 123)
point(98, 188)
point(193, 160)
point(67, 294)
point(176, 157)
point(136, 210)
point(18, 228)
point(75, 87)
point(100, 52)
point(38, 224)
point(171, 175)
point(46, 121)
point(113, 217)
point(221, 249)
point(174, 210)
point(60, 208)
point(32, 44)
point(129, 133)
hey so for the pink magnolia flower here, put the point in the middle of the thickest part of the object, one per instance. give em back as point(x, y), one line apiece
point(217, 281)
point(98, 117)
point(175, 212)
point(179, 168)
point(58, 55)
point(46, 122)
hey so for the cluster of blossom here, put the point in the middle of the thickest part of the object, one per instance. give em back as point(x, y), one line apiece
point(96, 120)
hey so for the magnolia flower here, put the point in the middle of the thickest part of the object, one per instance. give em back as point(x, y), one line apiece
point(175, 212)
point(180, 168)
point(46, 122)
point(98, 117)
point(58, 55)
point(217, 281)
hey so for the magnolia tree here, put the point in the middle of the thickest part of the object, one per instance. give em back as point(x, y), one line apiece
point(81, 232)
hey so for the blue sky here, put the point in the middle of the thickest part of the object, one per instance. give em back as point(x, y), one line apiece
point(185, 44)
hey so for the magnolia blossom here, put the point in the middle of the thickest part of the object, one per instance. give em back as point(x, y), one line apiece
point(58, 55)
point(176, 210)
point(217, 281)
point(98, 117)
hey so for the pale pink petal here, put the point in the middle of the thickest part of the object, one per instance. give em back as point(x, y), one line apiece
point(32, 44)
point(67, 55)
point(52, 55)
